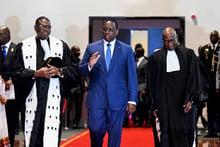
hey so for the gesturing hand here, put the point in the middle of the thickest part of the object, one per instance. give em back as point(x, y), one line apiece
point(94, 58)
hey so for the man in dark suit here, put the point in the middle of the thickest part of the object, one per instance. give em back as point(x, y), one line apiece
point(74, 106)
point(209, 56)
point(142, 112)
point(112, 87)
point(7, 48)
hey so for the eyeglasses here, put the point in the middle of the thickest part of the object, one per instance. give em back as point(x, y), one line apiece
point(169, 41)
point(44, 27)
point(108, 30)
point(4, 33)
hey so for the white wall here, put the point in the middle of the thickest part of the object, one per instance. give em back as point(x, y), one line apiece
point(70, 18)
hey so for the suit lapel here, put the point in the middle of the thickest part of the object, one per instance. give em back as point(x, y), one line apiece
point(141, 64)
point(9, 54)
point(180, 55)
point(102, 54)
point(116, 54)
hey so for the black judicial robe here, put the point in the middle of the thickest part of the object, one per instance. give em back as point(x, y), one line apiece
point(23, 80)
point(169, 92)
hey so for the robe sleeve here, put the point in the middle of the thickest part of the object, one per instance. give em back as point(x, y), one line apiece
point(70, 74)
point(192, 82)
point(151, 86)
point(20, 75)
point(218, 76)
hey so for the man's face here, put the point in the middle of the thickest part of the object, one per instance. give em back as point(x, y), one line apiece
point(4, 35)
point(109, 31)
point(214, 37)
point(43, 29)
point(139, 52)
point(76, 52)
point(170, 41)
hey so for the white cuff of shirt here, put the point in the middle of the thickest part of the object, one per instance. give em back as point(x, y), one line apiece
point(90, 68)
point(131, 102)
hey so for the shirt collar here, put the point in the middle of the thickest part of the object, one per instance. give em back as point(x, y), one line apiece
point(214, 45)
point(7, 44)
point(140, 59)
point(112, 42)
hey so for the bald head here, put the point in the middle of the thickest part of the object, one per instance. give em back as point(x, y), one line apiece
point(170, 38)
point(4, 35)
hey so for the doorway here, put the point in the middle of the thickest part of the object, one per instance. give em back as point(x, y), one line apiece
point(150, 27)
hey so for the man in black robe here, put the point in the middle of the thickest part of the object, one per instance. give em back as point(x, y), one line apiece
point(172, 87)
point(42, 65)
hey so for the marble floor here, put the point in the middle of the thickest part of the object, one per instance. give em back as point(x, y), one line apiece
point(202, 141)
point(19, 138)
point(207, 142)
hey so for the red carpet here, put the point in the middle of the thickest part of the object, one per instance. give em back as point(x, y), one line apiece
point(131, 137)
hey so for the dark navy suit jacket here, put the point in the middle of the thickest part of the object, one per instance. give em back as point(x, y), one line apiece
point(5, 63)
point(113, 88)
point(11, 106)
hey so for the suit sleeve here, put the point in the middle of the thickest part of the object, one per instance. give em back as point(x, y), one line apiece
point(132, 77)
point(83, 66)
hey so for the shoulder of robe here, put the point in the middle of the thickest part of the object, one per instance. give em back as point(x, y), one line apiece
point(205, 45)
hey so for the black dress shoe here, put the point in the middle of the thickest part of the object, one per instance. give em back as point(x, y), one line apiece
point(16, 131)
point(74, 125)
point(125, 125)
point(126, 122)
point(147, 125)
point(138, 124)
point(211, 135)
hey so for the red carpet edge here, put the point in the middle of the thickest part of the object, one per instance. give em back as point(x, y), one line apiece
point(83, 133)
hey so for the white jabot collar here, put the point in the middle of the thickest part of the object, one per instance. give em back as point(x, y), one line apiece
point(172, 61)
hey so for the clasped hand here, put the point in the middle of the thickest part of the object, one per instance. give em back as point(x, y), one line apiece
point(3, 99)
point(47, 72)
point(8, 84)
